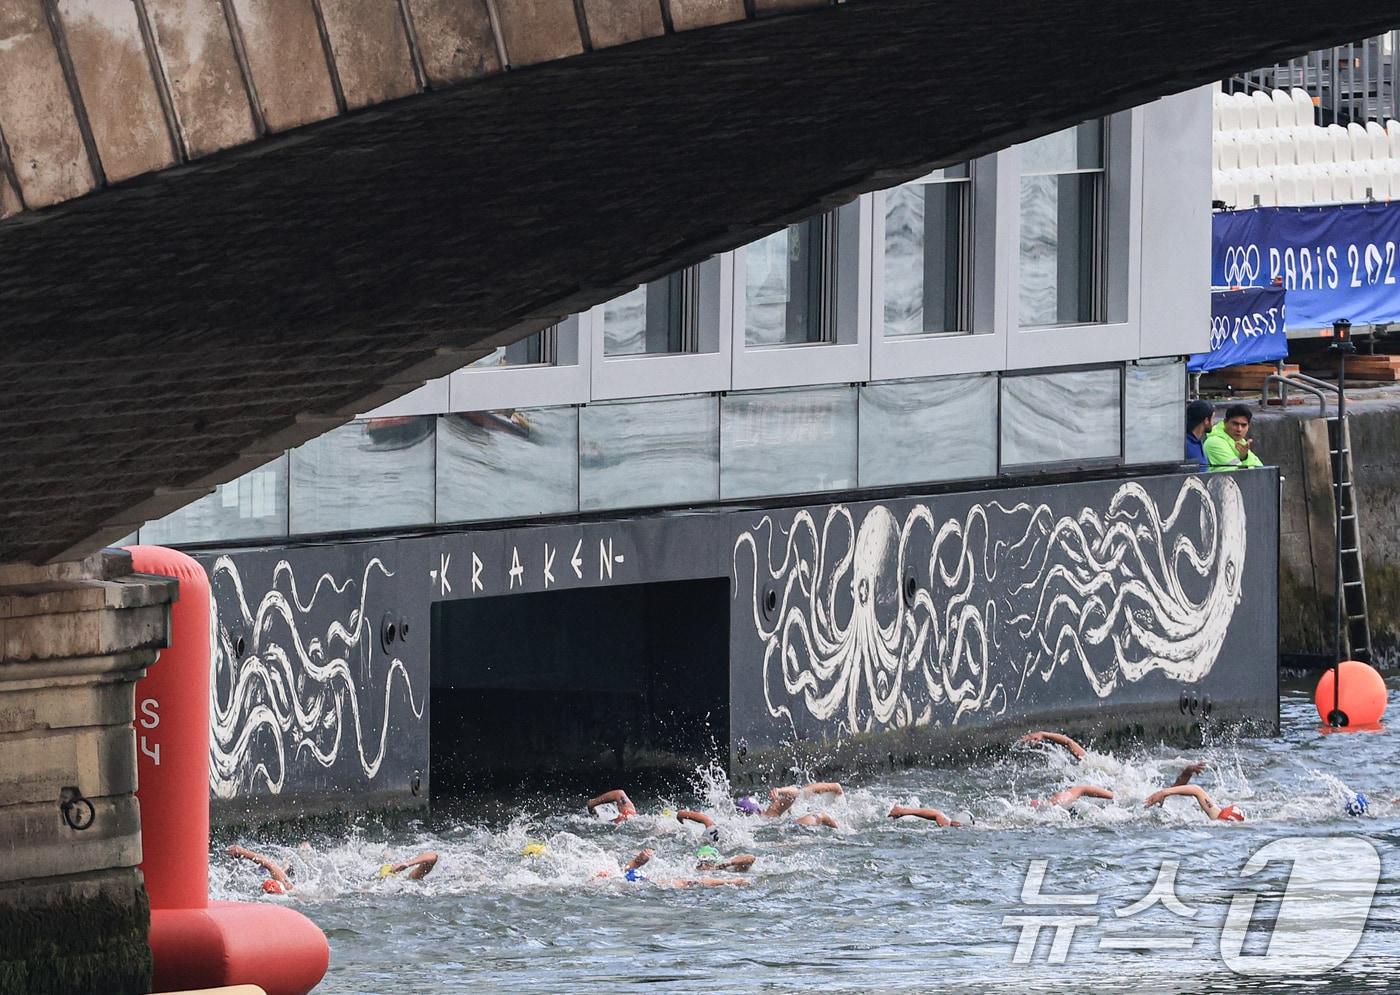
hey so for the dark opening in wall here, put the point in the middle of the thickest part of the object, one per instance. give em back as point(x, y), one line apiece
point(585, 683)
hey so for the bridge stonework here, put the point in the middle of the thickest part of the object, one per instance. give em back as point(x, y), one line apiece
point(74, 638)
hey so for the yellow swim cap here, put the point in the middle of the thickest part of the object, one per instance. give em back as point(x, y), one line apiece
point(534, 850)
point(385, 870)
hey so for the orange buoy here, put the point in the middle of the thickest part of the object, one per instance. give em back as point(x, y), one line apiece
point(1361, 699)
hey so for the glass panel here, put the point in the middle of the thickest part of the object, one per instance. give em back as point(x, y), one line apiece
point(507, 464)
point(787, 441)
point(1154, 399)
point(1069, 417)
point(1080, 147)
point(1058, 257)
point(784, 286)
point(529, 351)
point(375, 473)
point(252, 507)
point(647, 321)
point(918, 430)
point(924, 241)
point(658, 452)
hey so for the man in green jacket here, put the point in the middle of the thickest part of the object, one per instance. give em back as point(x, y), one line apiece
point(1228, 445)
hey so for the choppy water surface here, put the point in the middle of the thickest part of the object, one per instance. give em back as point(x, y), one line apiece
point(876, 906)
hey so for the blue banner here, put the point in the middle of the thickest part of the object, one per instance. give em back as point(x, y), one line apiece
point(1246, 326)
point(1335, 262)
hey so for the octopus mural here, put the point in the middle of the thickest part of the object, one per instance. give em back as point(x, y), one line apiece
point(282, 692)
point(884, 623)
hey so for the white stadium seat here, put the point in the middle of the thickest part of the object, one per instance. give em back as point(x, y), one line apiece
point(1360, 142)
point(1222, 187)
point(1304, 111)
point(1227, 149)
point(1248, 142)
point(1267, 145)
point(1265, 108)
point(1380, 141)
point(1284, 113)
point(1229, 113)
point(1341, 143)
point(1286, 180)
point(1304, 143)
point(1393, 129)
point(1218, 100)
point(1249, 113)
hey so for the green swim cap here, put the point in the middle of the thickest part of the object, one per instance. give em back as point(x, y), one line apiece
point(707, 853)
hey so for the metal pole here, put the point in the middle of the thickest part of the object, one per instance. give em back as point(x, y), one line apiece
point(1342, 345)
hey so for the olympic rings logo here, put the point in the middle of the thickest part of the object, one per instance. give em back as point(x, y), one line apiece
point(1241, 265)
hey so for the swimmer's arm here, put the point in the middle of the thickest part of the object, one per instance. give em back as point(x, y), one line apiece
point(421, 866)
point(278, 872)
point(639, 860)
point(1187, 791)
point(781, 799)
point(616, 797)
point(686, 815)
point(931, 814)
point(1187, 772)
point(1071, 795)
point(738, 862)
point(823, 788)
point(1059, 739)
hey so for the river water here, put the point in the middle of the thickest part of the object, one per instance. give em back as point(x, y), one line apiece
point(878, 905)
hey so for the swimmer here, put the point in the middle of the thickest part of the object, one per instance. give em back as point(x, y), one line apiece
point(1230, 813)
point(625, 809)
point(1067, 798)
point(279, 878)
point(1075, 750)
point(931, 814)
point(782, 799)
point(709, 857)
point(633, 872)
point(418, 868)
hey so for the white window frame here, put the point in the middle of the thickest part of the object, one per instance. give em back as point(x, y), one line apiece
point(566, 381)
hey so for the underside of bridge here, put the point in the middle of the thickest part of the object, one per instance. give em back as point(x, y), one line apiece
point(168, 333)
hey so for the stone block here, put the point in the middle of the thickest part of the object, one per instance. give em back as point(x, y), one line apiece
point(97, 760)
point(83, 634)
point(114, 77)
point(46, 846)
point(201, 67)
point(688, 14)
point(538, 30)
point(455, 39)
point(36, 111)
point(371, 50)
point(287, 61)
point(615, 22)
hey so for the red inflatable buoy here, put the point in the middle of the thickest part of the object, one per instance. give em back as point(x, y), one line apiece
point(1361, 699)
point(196, 943)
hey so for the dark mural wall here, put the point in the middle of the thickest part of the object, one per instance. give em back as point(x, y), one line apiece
point(1145, 603)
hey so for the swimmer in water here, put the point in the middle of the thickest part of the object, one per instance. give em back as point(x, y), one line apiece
point(279, 878)
point(1067, 798)
point(625, 809)
point(1183, 787)
point(782, 799)
point(1075, 750)
point(418, 867)
point(931, 814)
point(633, 872)
point(709, 857)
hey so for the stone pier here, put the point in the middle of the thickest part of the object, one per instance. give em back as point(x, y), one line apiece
point(74, 638)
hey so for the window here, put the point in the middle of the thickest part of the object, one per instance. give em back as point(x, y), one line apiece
point(1069, 417)
point(1062, 212)
point(928, 254)
point(539, 349)
point(789, 290)
point(657, 318)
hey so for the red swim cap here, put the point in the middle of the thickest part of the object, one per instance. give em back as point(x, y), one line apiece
point(273, 887)
point(1230, 813)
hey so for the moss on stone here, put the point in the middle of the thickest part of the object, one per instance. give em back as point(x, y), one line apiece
point(76, 944)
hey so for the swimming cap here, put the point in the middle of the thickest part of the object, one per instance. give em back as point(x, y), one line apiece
point(749, 805)
point(385, 870)
point(534, 850)
point(713, 834)
point(707, 853)
point(635, 874)
point(1231, 813)
point(1357, 804)
point(273, 887)
point(963, 816)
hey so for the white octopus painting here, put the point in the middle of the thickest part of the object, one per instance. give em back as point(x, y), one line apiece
point(288, 693)
point(884, 623)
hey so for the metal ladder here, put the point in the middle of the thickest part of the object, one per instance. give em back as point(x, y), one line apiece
point(1356, 626)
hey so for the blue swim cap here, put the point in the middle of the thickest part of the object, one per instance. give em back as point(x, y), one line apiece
point(1357, 804)
point(635, 874)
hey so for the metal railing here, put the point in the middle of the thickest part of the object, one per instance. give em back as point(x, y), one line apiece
point(1348, 83)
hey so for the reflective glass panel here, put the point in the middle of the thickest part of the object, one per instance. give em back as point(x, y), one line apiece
point(1059, 255)
point(917, 430)
point(1154, 402)
point(529, 351)
point(252, 507)
point(650, 320)
point(507, 464)
point(1069, 417)
point(925, 233)
point(784, 285)
point(1080, 147)
point(374, 473)
point(787, 441)
point(655, 452)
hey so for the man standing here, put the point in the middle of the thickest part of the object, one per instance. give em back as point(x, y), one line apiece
point(1228, 445)
point(1199, 415)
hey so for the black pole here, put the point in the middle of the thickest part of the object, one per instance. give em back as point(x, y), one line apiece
point(1341, 345)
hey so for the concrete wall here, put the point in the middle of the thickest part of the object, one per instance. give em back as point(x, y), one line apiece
point(905, 627)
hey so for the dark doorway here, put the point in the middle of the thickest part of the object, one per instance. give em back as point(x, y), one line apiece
point(561, 685)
